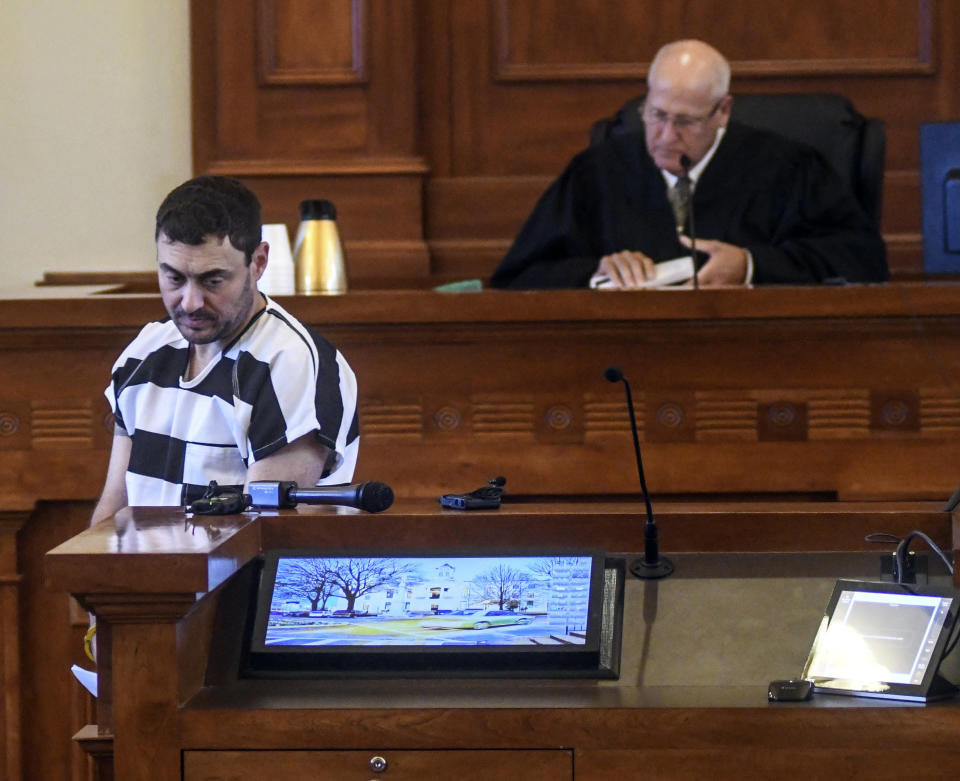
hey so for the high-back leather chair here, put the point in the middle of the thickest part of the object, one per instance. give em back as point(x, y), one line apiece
point(852, 143)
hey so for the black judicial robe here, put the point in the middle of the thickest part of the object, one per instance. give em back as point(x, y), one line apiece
point(779, 199)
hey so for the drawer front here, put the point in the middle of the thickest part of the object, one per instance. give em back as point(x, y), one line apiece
point(440, 765)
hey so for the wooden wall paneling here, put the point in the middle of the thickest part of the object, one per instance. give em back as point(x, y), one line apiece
point(794, 43)
point(280, 116)
point(382, 237)
point(435, 86)
point(203, 82)
point(320, 99)
point(485, 102)
point(509, 126)
point(948, 60)
point(392, 104)
point(595, 40)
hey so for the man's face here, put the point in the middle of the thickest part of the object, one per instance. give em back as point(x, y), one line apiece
point(208, 290)
point(681, 121)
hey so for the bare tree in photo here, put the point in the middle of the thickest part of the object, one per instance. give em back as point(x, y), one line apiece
point(356, 577)
point(499, 583)
point(308, 579)
point(546, 565)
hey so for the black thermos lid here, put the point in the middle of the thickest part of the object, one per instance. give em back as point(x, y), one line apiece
point(318, 210)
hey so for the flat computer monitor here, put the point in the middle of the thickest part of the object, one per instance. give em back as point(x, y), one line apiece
point(882, 639)
point(470, 614)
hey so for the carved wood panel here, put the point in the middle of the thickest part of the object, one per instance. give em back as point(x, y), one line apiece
point(593, 40)
point(303, 42)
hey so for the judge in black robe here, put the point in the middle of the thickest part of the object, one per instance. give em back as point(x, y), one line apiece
point(779, 200)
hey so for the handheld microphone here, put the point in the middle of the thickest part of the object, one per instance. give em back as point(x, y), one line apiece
point(652, 566)
point(372, 496)
point(685, 165)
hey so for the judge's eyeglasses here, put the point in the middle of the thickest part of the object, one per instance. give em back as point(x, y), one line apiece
point(681, 122)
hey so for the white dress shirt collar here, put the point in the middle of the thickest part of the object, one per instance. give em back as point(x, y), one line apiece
point(695, 172)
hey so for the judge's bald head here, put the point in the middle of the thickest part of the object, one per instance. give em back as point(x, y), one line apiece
point(687, 102)
point(690, 65)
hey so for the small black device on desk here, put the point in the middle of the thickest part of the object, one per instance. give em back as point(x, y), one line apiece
point(484, 498)
point(789, 690)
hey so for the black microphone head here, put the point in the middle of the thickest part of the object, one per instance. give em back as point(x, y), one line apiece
point(374, 497)
point(613, 374)
point(685, 162)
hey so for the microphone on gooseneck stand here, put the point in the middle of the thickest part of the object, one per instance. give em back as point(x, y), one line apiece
point(652, 566)
point(685, 164)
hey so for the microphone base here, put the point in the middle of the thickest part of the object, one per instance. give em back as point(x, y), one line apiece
point(661, 568)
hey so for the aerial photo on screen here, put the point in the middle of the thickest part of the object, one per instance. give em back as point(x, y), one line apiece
point(429, 601)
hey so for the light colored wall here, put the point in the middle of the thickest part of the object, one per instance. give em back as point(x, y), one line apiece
point(94, 131)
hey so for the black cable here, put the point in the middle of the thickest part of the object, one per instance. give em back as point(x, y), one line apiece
point(902, 550)
point(900, 556)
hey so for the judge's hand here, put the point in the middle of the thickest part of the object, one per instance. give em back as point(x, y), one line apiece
point(626, 269)
point(726, 263)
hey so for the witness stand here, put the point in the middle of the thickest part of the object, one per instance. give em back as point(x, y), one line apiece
point(171, 594)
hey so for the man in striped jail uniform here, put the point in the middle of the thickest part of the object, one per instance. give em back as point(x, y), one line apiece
point(230, 387)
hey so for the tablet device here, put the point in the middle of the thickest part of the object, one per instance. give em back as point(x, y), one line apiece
point(478, 613)
point(886, 640)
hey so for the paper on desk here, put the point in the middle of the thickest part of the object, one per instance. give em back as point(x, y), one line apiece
point(668, 272)
point(86, 677)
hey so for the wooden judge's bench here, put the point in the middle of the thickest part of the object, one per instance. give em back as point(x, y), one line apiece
point(847, 392)
point(843, 401)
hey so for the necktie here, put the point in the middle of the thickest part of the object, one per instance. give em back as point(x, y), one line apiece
point(679, 197)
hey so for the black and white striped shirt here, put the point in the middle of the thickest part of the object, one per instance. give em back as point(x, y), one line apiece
point(276, 381)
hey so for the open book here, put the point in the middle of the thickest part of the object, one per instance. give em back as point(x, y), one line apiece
point(668, 272)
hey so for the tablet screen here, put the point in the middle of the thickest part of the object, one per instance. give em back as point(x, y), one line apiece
point(883, 640)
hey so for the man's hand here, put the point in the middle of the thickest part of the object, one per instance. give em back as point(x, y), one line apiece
point(626, 269)
point(726, 264)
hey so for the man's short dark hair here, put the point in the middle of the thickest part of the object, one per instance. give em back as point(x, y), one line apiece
point(211, 206)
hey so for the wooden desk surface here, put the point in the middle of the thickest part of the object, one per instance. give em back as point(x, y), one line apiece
point(109, 306)
point(162, 550)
